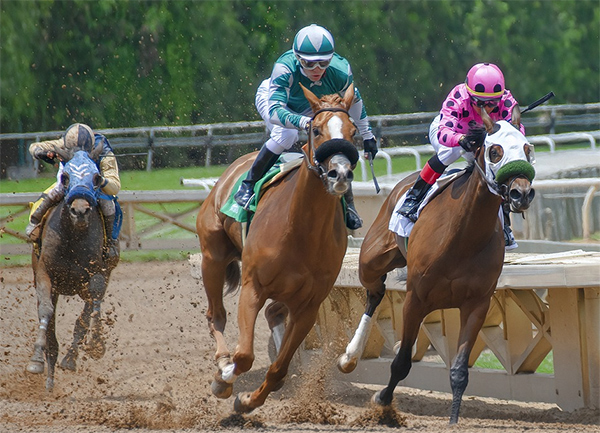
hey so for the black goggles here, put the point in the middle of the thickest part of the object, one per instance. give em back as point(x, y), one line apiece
point(323, 64)
point(485, 102)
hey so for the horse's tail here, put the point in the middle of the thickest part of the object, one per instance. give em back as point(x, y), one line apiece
point(233, 277)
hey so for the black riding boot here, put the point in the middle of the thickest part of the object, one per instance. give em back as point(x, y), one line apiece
point(112, 248)
point(263, 162)
point(414, 198)
point(509, 239)
point(33, 229)
point(353, 220)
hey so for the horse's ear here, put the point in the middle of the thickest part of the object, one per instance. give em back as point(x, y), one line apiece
point(95, 153)
point(348, 97)
point(516, 117)
point(64, 179)
point(487, 121)
point(315, 103)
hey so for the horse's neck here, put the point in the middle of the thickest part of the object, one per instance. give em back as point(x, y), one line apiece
point(480, 206)
point(309, 193)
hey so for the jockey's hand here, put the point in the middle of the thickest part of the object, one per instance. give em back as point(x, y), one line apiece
point(46, 156)
point(305, 123)
point(474, 139)
point(370, 146)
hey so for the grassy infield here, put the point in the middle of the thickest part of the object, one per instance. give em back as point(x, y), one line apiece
point(169, 179)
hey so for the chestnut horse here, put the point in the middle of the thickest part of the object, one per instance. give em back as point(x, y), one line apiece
point(293, 251)
point(454, 256)
point(69, 261)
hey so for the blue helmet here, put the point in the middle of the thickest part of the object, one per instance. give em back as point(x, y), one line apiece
point(313, 43)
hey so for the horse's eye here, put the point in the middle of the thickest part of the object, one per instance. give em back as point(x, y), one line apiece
point(495, 153)
point(316, 132)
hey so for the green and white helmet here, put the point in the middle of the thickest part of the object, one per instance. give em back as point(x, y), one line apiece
point(313, 43)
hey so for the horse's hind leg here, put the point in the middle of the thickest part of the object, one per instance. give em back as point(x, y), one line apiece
point(471, 322)
point(213, 276)
point(413, 316)
point(299, 325)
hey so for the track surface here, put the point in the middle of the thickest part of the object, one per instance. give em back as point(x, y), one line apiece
point(157, 371)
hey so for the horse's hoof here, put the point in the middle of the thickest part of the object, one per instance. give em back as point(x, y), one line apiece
point(68, 363)
point(345, 364)
point(376, 399)
point(35, 367)
point(239, 406)
point(50, 384)
point(221, 389)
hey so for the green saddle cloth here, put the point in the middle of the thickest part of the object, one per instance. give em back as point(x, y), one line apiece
point(286, 162)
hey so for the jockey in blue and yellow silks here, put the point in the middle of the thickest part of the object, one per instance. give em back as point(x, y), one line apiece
point(280, 101)
point(80, 136)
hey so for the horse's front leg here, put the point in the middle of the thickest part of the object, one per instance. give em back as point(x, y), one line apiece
point(96, 346)
point(300, 323)
point(51, 347)
point(69, 362)
point(348, 360)
point(45, 313)
point(471, 322)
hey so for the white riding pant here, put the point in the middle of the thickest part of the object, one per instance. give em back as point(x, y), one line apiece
point(447, 155)
point(281, 138)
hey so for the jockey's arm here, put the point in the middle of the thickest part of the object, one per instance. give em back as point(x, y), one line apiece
point(110, 171)
point(43, 147)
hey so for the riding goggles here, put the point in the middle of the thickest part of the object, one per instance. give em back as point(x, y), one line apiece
point(310, 65)
point(485, 102)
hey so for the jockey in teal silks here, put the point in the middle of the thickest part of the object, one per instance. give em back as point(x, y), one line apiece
point(280, 101)
point(452, 136)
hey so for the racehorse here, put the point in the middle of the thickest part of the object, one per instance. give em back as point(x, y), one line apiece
point(68, 261)
point(293, 251)
point(454, 254)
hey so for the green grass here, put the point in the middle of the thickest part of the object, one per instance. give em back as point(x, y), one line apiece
point(487, 359)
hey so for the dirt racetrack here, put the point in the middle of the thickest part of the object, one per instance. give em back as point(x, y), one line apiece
point(156, 374)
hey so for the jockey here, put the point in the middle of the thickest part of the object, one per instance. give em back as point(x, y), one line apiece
point(81, 136)
point(452, 133)
point(280, 101)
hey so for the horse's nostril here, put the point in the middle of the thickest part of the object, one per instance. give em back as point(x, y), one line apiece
point(531, 194)
point(515, 194)
point(350, 176)
point(332, 174)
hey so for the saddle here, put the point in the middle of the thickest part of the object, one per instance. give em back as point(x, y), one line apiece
point(286, 163)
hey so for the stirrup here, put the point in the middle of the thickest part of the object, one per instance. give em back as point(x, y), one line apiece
point(33, 231)
point(353, 220)
point(409, 209)
point(509, 240)
point(243, 196)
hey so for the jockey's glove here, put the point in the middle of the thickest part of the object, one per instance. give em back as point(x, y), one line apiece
point(43, 155)
point(370, 146)
point(474, 139)
point(305, 123)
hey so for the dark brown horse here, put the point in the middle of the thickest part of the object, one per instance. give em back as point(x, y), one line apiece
point(70, 262)
point(454, 258)
point(292, 254)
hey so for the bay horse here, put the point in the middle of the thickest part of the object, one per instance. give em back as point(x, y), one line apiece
point(454, 255)
point(68, 261)
point(292, 254)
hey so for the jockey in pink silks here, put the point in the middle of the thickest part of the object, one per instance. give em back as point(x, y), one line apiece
point(457, 131)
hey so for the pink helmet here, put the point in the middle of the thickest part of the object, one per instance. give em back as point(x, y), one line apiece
point(485, 81)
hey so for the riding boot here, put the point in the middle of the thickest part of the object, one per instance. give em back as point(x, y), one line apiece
point(509, 239)
point(413, 200)
point(353, 220)
point(112, 248)
point(263, 162)
point(33, 229)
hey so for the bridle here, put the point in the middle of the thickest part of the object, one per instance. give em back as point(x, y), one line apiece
point(311, 161)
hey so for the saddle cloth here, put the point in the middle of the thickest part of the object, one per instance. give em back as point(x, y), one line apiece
point(403, 226)
point(285, 164)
